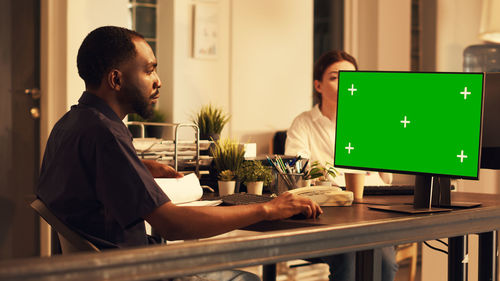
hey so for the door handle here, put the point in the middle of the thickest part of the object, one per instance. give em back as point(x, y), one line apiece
point(35, 112)
point(33, 92)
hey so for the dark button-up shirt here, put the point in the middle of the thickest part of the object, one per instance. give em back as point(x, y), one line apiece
point(92, 179)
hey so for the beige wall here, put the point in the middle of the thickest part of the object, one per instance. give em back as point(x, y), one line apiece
point(378, 33)
point(271, 62)
point(189, 83)
point(262, 73)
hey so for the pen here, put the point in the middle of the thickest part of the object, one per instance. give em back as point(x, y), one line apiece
point(280, 162)
point(295, 160)
point(274, 164)
point(305, 165)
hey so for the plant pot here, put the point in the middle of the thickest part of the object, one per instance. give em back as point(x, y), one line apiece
point(255, 187)
point(237, 187)
point(303, 183)
point(324, 183)
point(210, 137)
point(226, 187)
point(154, 132)
point(135, 130)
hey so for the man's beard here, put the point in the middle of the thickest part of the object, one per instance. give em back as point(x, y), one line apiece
point(142, 107)
point(139, 104)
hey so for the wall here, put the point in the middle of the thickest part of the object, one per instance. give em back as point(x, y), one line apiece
point(189, 83)
point(378, 33)
point(261, 76)
point(272, 59)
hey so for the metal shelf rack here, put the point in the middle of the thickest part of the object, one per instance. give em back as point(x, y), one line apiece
point(183, 155)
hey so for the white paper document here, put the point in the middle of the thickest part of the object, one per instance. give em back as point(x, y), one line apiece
point(185, 191)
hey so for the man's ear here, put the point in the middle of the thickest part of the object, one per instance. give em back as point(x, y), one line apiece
point(115, 79)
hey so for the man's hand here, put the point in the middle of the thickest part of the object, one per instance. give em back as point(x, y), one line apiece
point(159, 170)
point(288, 204)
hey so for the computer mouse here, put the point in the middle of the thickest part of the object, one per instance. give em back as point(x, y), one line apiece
point(300, 216)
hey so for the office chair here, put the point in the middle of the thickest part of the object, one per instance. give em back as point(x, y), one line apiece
point(408, 251)
point(277, 143)
point(70, 240)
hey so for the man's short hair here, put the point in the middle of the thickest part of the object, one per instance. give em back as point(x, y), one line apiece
point(102, 50)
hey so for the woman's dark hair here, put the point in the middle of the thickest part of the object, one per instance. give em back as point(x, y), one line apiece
point(102, 50)
point(324, 62)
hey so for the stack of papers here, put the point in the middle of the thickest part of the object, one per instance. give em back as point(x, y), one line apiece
point(185, 191)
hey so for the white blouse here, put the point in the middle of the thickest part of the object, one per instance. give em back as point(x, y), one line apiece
point(312, 136)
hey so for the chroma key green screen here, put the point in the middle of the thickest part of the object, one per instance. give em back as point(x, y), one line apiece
point(409, 122)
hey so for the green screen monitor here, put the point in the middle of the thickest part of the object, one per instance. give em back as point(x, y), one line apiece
point(410, 122)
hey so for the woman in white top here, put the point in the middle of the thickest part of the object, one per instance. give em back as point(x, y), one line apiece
point(312, 136)
point(312, 133)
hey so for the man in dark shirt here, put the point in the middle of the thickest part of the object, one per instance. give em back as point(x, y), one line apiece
point(91, 177)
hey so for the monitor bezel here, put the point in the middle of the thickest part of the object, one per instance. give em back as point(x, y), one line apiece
point(483, 74)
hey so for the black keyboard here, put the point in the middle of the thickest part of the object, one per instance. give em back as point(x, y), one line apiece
point(389, 190)
point(245, 199)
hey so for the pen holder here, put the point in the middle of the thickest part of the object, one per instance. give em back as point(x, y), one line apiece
point(285, 182)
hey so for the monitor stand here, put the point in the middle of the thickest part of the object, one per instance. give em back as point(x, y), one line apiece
point(440, 193)
point(432, 194)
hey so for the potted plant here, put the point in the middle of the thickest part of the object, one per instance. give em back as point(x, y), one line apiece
point(155, 131)
point(226, 182)
point(135, 130)
point(227, 155)
point(254, 175)
point(324, 174)
point(150, 130)
point(210, 120)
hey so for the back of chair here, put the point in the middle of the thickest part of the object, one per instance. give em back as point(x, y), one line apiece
point(278, 143)
point(70, 240)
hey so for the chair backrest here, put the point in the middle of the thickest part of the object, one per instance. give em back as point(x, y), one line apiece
point(70, 240)
point(278, 143)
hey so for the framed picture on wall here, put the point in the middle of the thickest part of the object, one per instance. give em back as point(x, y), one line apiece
point(205, 30)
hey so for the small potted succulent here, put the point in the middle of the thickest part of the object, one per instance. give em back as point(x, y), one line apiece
point(254, 175)
point(323, 174)
point(226, 182)
point(210, 120)
point(227, 155)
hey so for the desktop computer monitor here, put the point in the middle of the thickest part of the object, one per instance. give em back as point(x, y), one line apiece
point(423, 123)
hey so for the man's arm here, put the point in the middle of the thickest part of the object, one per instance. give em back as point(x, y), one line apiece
point(180, 223)
point(159, 170)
